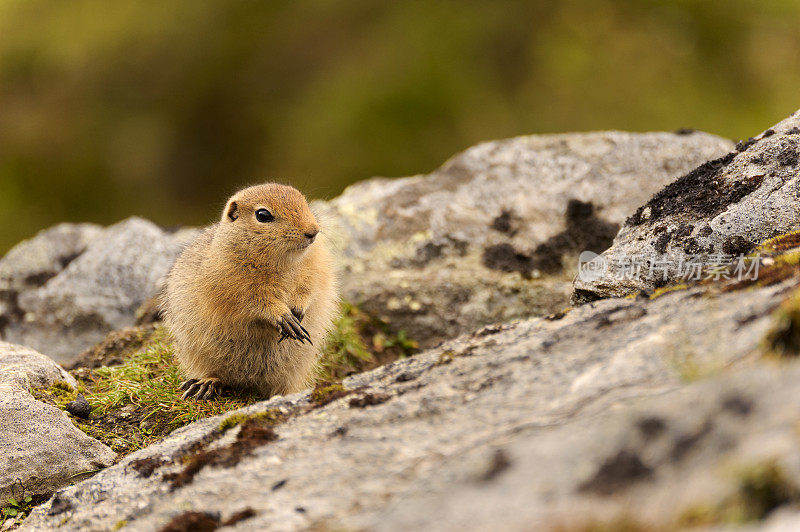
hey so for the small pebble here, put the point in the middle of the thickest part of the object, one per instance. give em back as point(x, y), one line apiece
point(79, 407)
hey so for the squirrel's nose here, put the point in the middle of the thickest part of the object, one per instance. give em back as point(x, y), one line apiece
point(310, 235)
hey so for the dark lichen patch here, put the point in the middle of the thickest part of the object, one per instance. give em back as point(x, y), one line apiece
point(651, 427)
point(326, 392)
point(686, 442)
point(506, 222)
point(700, 193)
point(584, 232)
point(147, 466)
point(788, 156)
point(661, 242)
point(241, 515)
point(737, 245)
point(271, 417)
point(252, 434)
point(617, 472)
point(744, 145)
point(366, 399)
point(192, 522)
point(737, 404)
point(505, 258)
point(499, 463)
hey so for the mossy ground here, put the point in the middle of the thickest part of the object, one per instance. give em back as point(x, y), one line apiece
point(132, 382)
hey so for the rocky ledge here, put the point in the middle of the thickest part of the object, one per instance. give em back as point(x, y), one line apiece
point(667, 409)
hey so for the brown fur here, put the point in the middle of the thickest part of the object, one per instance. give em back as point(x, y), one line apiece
point(228, 291)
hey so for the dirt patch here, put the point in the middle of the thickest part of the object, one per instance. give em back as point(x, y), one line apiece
point(369, 399)
point(192, 522)
point(252, 434)
point(114, 349)
point(699, 193)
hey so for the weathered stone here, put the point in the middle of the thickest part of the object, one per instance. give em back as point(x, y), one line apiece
point(40, 448)
point(532, 424)
point(98, 291)
point(722, 208)
point(493, 234)
point(33, 262)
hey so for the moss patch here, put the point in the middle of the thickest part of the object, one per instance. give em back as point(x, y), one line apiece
point(783, 338)
point(360, 342)
point(137, 401)
point(326, 392)
point(760, 489)
point(131, 381)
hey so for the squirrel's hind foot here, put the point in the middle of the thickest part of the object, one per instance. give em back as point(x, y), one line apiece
point(202, 389)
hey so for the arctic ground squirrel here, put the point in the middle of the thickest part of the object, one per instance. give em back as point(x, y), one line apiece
point(250, 301)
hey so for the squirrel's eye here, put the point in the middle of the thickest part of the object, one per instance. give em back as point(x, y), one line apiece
point(263, 216)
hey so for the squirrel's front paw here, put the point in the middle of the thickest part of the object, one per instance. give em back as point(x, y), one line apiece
point(202, 388)
point(290, 327)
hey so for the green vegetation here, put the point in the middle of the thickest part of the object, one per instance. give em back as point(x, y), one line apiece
point(14, 509)
point(760, 489)
point(138, 401)
point(360, 342)
point(783, 338)
point(161, 109)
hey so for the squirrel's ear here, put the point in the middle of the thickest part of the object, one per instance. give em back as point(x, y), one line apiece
point(233, 211)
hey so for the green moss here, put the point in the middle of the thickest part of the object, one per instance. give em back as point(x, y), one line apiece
point(325, 392)
point(446, 358)
point(345, 350)
point(760, 489)
point(120, 524)
point(783, 338)
point(272, 417)
point(779, 244)
point(359, 342)
point(667, 289)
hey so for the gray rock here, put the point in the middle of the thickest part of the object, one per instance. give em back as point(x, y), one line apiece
point(494, 233)
point(33, 262)
point(30, 369)
point(97, 292)
point(517, 426)
point(722, 208)
point(40, 449)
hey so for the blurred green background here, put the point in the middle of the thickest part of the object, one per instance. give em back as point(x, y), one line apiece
point(110, 108)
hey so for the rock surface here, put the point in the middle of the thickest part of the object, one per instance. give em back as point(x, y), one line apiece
point(636, 408)
point(492, 234)
point(40, 449)
point(69, 286)
point(720, 209)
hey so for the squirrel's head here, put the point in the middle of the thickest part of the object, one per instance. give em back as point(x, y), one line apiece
point(270, 219)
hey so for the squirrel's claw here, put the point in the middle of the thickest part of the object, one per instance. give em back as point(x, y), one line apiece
point(290, 327)
point(202, 389)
